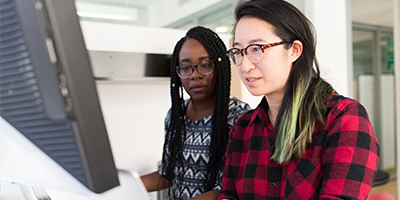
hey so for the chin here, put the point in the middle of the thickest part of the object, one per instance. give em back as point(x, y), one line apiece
point(255, 92)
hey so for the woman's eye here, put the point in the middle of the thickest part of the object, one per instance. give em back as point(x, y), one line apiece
point(235, 52)
point(185, 68)
point(206, 65)
point(256, 49)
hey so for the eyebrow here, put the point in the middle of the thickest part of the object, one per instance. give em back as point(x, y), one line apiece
point(201, 59)
point(250, 42)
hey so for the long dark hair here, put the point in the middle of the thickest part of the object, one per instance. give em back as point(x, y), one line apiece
point(305, 89)
point(220, 130)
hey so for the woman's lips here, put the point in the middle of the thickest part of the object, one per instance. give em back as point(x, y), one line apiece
point(198, 88)
point(252, 80)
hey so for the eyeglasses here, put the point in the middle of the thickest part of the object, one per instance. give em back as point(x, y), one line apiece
point(205, 67)
point(254, 52)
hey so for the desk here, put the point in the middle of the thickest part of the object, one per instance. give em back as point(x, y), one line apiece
point(130, 187)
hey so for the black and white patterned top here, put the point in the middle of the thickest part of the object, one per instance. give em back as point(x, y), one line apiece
point(196, 151)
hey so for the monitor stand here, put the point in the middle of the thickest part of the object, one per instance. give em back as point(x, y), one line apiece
point(33, 193)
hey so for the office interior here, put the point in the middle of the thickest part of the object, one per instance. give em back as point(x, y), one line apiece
point(358, 48)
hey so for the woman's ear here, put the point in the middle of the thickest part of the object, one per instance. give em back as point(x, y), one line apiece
point(296, 50)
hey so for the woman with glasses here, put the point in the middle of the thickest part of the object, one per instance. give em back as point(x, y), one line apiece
point(197, 128)
point(303, 141)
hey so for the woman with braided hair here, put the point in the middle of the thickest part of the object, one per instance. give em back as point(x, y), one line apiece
point(197, 128)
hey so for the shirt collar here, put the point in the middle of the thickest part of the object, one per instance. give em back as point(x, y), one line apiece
point(261, 113)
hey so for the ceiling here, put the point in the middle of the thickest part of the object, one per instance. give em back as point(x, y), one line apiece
point(373, 12)
point(213, 13)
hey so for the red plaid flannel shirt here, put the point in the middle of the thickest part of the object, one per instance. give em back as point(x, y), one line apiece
point(340, 163)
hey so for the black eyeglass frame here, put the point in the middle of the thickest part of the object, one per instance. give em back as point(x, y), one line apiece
point(262, 47)
point(197, 68)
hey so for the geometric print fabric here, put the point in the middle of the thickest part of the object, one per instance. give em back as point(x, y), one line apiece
point(196, 151)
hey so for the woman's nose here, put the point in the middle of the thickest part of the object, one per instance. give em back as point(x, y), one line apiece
point(246, 65)
point(196, 74)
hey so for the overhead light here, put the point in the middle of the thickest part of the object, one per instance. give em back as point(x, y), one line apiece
point(105, 16)
point(100, 11)
point(221, 29)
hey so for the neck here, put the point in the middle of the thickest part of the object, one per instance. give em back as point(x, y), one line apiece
point(198, 110)
point(274, 104)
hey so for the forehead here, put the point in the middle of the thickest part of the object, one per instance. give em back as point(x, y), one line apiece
point(193, 50)
point(250, 29)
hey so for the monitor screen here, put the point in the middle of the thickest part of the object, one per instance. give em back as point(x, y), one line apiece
point(48, 94)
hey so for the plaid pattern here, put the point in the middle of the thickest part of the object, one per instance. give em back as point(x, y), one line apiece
point(340, 163)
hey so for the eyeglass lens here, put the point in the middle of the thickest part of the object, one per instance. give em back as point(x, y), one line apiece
point(204, 67)
point(253, 52)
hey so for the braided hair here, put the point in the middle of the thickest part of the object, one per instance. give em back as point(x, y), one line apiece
point(219, 133)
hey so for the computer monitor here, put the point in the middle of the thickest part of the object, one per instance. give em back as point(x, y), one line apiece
point(48, 100)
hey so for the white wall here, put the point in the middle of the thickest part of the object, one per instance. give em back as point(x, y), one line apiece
point(134, 113)
point(125, 38)
point(332, 21)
